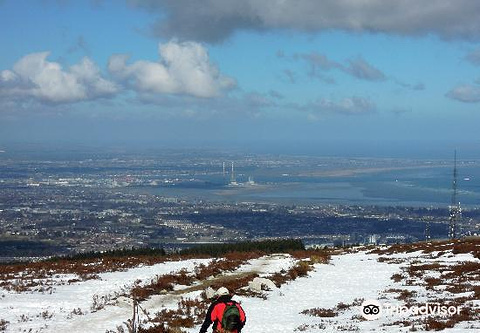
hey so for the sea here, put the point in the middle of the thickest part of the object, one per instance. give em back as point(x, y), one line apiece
point(284, 179)
point(413, 187)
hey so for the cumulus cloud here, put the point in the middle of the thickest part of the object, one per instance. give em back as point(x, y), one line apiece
point(347, 106)
point(216, 20)
point(34, 76)
point(465, 93)
point(183, 68)
point(8, 78)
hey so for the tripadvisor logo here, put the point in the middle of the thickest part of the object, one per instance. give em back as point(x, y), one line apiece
point(373, 309)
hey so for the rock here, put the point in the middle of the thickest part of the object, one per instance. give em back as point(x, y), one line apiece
point(258, 284)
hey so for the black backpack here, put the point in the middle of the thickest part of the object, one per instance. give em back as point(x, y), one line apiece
point(231, 317)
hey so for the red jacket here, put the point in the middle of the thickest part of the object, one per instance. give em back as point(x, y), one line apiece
point(215, 314)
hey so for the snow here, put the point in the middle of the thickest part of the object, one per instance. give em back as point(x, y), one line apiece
point(267, 265)
point(27, 310)
point(348, 279)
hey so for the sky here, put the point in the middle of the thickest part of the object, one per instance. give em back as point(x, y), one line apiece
point(328, 77)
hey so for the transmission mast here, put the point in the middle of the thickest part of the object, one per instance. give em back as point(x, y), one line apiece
point(455, 209)
point(427, 232)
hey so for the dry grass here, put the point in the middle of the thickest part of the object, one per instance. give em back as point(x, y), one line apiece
point(421, 270)
point(40, 275)
point(3, 325)
point(160, 284)
point(299, 270)
point(431, 282)
point(469, 245)
point(438, 323)
point(397, 277)
point(315, 256)
point(340, 307)
point(466, 268)
point(320, 312)
point(466, 245)
point(189, 312)
point(235, 284)
point(461, 279)
point(391, 260)
point(403, 294)
point(202, 272)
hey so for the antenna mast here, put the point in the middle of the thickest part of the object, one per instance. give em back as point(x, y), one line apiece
point(427, 232)
point(455, 209)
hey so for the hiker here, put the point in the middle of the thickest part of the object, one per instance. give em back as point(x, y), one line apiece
point(225, 314)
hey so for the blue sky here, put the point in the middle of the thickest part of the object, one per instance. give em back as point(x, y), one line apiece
point(322, 76)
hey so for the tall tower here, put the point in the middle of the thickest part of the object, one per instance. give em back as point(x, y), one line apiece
point(233, 181)
point(455, 209)
point(427, 232)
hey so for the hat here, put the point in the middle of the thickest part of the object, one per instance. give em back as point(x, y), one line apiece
point(222, 291)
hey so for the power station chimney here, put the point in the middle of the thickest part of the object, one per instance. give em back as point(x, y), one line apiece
point(232, 175)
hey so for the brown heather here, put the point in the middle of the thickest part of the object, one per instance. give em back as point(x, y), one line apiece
point(320, 312)
point(466, 245)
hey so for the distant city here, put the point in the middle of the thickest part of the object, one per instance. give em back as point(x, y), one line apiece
point(62, 203)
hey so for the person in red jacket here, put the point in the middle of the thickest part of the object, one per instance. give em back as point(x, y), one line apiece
point(215, 313)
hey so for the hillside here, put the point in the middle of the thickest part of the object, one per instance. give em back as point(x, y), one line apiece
point(317, 291)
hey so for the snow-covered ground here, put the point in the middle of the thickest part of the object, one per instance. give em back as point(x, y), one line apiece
point(341, 286)
point(71, 308)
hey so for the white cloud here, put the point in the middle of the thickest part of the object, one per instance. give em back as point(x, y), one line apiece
point(34, 76)
point(183, 68)
point(88, 74)
point(465, 93)
point(7, 76)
